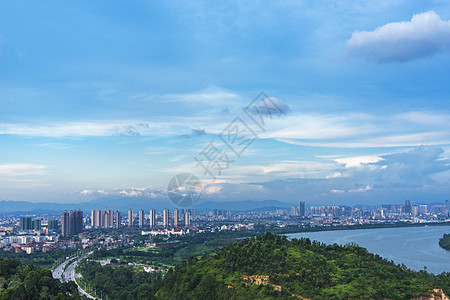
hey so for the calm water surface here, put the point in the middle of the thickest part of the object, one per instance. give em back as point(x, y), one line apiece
point(416, 247)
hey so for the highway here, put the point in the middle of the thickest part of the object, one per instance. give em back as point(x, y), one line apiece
point(69, 273)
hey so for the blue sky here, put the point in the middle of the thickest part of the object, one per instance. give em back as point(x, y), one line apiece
point(112, 98)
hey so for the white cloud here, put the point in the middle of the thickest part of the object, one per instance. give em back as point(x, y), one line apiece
point(357, 161)
point(211, 96)
point(147, 192)
point(93, 192)
point(360, 189)
point(350, 130)
point(425, 35)
point(336, 191)
point(17, 170)
point(93, 128)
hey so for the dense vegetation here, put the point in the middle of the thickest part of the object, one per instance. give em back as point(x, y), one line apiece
point(40, 259)
point(120, 282)
point(444, 242)
point(271, 266)
point(19, 281)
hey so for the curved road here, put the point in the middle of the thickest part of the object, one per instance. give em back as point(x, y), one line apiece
point(69, 273)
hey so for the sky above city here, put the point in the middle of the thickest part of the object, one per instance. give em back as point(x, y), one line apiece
point(114, 98)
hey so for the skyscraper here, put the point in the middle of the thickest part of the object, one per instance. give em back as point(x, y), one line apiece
point(407, 207)
point(302, 211)
point(108, 219)
point(118, 220)
point(71, 222)
point(25, 223)
point(175, 218)
point(166, 217)
point(414, 210)
point(96, 218)
point(187, 219)
point(152, 218)
point(141, 218)
point(37, 224)
point(102, 218)
point(65, 223)
point(130, 218)
point(52, 225)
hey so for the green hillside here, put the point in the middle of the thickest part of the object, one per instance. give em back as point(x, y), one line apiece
point(444, 242)
point(19, 281)
point(271, 266)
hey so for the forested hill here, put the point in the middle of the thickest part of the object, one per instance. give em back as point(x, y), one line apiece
point(271, 266)
point(19, 281)
point(444, 242)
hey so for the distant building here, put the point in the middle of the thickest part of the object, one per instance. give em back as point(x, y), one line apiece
point(166, 217)
point(141, 218)
point(96, 218)
point(65, 223)
point(423, 209)
point(414, 210)
point(175, 217)
point(37, 224)
point(152, 220)
point(407, 207)
point(293, 211)
point(25, 223)
point(187, 219)
point(130, 218)
point(118, 220)
point(53, 225)
point(109, 219)
point(71, 222)
point(302, 211)
point(102, 218)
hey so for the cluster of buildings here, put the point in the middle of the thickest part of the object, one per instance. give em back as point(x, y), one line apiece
point(109, 219)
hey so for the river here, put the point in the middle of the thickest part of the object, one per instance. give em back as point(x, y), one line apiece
point(416, 247)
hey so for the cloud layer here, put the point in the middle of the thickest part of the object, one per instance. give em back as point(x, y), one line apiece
point(425, 35)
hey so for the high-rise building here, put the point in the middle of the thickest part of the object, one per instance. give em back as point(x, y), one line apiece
point(187, 219)
point(37, 224)
point(407, 207)
point(166, 217)
point(52, 225)
point(141, 218)
point(130, 218)
point(71, 222)
point(336, 211)
point(302, 211)
point(96, 218)
point(25, 223)
point(293, 211)
point(65, 223)
point(102, 218)
point(423, 209)
point(118, 220)
point(109, 219)
point(414, 210)
point(152, 218)
point(175, 218)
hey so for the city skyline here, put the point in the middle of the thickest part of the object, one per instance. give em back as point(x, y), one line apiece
point(116, 100)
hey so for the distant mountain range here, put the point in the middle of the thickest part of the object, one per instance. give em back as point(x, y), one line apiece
point(125, 203)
